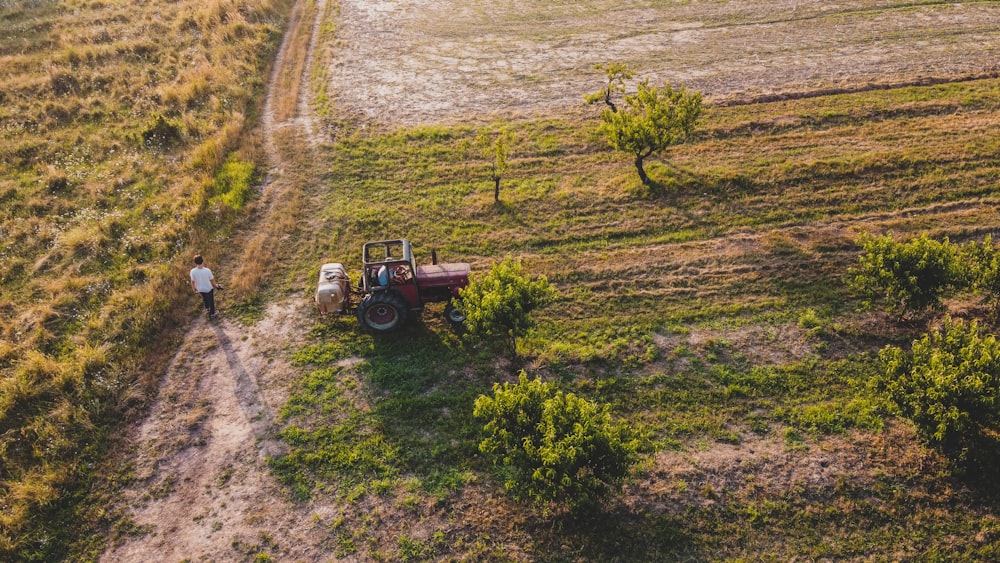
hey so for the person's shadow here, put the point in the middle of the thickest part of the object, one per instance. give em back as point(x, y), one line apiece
point(250, 396)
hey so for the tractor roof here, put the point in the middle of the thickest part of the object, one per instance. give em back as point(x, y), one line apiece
point(395, 250)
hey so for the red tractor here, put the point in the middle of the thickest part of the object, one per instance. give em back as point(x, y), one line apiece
point(392, 286)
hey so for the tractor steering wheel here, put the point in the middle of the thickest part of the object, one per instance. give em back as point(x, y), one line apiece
point(400, 274)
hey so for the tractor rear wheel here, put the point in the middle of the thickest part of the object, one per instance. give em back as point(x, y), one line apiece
point(382, 312)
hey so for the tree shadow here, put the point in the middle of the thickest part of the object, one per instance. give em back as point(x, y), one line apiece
point(977, 468)
point(618, 533)
point(674, 180)
point(510, 212)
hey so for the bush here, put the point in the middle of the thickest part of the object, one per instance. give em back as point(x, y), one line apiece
point(560, 447)
point(982, 262)
point(497, 305)
point(949, 385)
point(909, 277)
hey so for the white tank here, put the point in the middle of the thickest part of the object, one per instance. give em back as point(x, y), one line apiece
point(333, 290)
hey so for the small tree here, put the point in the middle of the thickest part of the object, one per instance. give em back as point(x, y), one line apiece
point(497, 305)
point(496, 153)
point(560, 447)
point(617, 74)
point(949, 385)
point(909, 276)
point(652, 120)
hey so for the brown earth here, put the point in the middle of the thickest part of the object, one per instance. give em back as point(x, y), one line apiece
point(427, 61)
point(202, 490)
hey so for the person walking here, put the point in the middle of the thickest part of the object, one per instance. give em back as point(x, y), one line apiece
point(203, 282)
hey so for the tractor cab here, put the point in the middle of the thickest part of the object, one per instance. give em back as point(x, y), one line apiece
point(389, 264)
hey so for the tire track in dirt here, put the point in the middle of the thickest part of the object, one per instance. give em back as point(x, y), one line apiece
point(201, 487)
point(288, 103)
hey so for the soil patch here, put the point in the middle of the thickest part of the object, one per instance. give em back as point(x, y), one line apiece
point(425, 61)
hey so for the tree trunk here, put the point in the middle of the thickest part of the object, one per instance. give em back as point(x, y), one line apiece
point(607, 100)
point(642, 172)
point(496, 189)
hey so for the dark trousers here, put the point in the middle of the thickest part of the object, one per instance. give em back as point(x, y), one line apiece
point(209, 299)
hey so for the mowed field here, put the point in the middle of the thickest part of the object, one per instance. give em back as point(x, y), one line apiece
point(711, 313)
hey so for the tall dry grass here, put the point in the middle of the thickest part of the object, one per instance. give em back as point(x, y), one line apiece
point(114, 118)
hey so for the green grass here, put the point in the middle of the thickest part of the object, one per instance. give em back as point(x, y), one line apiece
point(419, 425)
point(713, 316)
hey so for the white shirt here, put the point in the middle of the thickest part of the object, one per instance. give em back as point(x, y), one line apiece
point(202, 278)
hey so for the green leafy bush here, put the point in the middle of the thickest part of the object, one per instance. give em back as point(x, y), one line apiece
point(559, 447)
point(982, 261)
point(497, 304)
point(909, 277)
point(949, 385)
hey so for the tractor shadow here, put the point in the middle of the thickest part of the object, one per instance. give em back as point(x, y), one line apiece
point(424, 382)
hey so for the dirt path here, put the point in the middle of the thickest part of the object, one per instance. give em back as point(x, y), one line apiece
point(202, 489)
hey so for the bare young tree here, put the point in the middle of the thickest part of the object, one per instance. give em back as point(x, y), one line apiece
point(496, 152)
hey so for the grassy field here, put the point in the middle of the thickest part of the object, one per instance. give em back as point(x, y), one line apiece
point(710, 312)
point(713, 315)
point(115, 119)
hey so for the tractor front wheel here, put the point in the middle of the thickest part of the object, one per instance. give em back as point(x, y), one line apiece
point(382, 312)
point(454, 313)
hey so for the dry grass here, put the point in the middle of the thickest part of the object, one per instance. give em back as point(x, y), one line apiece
point(99, 214)
point(408, 63)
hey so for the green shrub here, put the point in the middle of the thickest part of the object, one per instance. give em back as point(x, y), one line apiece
point(559, 447)
point(497, 304)
point(908, 277)
point(982, 264)
point(948, 385)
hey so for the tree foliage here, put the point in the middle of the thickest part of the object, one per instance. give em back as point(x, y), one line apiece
point(497, 305)
point(617, 74)
point(948, 385)
point(907, 277)
point(559, 447)
point(652, 119)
